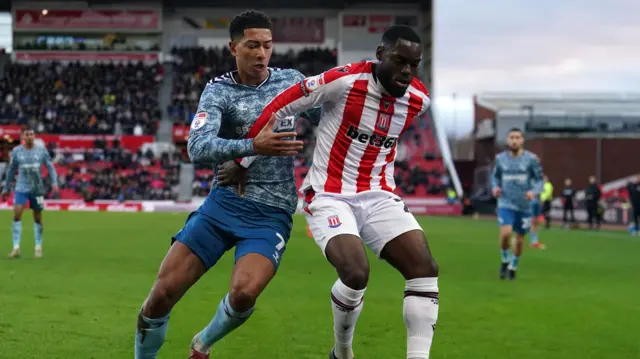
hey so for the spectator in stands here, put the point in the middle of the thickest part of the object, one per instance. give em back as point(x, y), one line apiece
point(86, 99)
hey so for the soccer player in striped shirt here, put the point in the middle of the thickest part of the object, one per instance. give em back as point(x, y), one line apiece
point(27, 159)
point(349, 188)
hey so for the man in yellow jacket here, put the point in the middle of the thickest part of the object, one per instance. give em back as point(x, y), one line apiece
point(546, 196)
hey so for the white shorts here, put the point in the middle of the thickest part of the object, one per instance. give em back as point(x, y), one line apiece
point(375, 217)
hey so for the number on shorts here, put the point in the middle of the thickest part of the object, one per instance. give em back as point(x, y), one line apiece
point(279, 247)
point(40, 200)
point(526, 223)
point(280, 244)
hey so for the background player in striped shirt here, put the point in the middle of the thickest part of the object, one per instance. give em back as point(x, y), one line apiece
point(27, 159)
point(258, 225)
point(349, 188)
point(516, 174)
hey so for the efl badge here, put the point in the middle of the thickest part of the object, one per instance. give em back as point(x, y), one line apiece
point(384, 121)
point(199, 120)
point(334, 221)
point(313, 83)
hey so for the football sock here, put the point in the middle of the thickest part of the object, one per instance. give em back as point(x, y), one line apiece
point(150, 336)
point(346, 304)
point(514, 263)
point(533, 237)
point(504, 255)
point(420, 313)
point(223, 323)
point(17, 233)
point(37, 230)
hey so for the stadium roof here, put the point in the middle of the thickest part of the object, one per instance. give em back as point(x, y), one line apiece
point(610, 103)
point(5, 5)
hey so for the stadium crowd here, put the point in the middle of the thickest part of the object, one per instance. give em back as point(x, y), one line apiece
point(123, 99)
point(81, 98)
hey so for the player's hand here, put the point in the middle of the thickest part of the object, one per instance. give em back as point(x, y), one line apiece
point(55, 188)
point(497, 191)
point(271, 143)
point(230, 173)
point(529, 195)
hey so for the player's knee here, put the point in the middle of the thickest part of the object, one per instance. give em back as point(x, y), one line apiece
point(161, 300)
point(428, 267)
point(243, 296)
point(355, 277)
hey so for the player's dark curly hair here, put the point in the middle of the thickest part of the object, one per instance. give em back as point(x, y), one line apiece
point(396, 32)
point(250, 19)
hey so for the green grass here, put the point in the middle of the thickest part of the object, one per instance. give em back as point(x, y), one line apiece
point(577, 300)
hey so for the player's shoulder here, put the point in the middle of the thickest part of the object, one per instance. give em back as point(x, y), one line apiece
point(351, 70)
point(530, 155)
point(278, 73)
point(420, 87)
point(287, 76)
point(218, 88)
point(17, 149)
point(501, 155)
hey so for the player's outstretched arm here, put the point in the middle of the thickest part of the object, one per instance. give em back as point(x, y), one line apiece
point(306, 95)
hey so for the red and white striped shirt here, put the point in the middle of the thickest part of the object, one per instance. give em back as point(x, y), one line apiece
point(359, 129)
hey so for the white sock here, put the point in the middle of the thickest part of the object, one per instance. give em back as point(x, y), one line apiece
point(347, 305)
point(420, 313)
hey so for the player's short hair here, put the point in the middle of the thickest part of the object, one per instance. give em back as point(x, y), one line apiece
point(27, 129)
point(397, 32)
point(516, 129)
point(250, 19)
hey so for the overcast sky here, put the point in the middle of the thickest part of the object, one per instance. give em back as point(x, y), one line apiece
point(533, 45)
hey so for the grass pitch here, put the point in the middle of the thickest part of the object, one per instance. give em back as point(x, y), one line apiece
point(576, 300)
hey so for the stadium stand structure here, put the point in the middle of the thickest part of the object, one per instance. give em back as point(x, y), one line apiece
point(575, 135)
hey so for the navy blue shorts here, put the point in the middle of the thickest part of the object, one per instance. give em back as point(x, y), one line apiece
point(36, 201)
point(520, 222)
point(225, 220)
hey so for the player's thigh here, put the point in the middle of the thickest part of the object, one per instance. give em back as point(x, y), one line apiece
point(20, 201)
point(393, 234)
point(36, 202)
point(335, 229)
point(522, 223)
point(329, 218)
point(506, 221)
point(266, 237)
point(205, 237)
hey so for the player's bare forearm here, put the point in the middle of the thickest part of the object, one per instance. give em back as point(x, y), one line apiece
point(206, 150)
